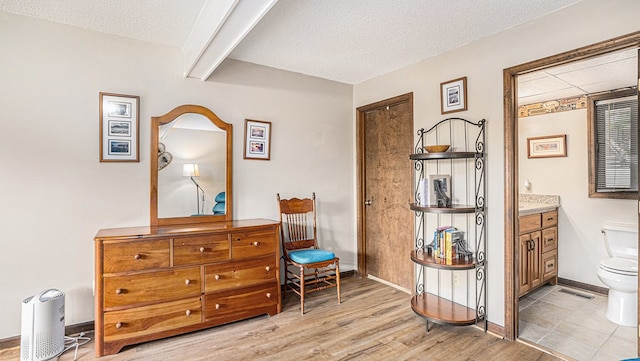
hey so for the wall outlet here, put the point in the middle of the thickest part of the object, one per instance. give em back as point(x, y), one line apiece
point(456, 279)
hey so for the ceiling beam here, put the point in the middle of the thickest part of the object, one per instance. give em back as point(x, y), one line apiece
point(221, 26)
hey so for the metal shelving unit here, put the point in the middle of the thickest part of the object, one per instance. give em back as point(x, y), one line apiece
point(441, 294)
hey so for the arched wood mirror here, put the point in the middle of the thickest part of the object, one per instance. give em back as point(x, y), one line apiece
point(190, 167)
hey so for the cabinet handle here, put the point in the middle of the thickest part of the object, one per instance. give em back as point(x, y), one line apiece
point(119, 291)
point(217, 306)
point(137, 256)
point(119, 325)
point(268, 294)
point(550, 219)
point(202, 249)
point(550, 265)
point(217, 277)
point(188, 312)
point(256, 243)
point(187, 282)
point(267, 268)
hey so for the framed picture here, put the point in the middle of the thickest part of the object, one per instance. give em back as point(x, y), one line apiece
point(257, 139)
point(453, 95)
point(439, 190)
point(119, 128)
point(547, 146)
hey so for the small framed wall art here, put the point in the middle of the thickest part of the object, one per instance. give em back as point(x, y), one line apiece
point(547, 146)
point(257, 139)
point(453, 95)
point(119, 128)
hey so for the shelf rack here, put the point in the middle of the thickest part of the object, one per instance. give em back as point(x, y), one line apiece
point(437, 279)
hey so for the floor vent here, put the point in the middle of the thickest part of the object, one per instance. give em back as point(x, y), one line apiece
point(574, 293)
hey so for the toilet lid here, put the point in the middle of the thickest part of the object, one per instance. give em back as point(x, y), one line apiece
point(620, 265)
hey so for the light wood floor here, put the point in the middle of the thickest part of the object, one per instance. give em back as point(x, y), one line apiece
point(374, 322)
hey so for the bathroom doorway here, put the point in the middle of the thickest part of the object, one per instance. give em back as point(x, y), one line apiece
point(512, 180)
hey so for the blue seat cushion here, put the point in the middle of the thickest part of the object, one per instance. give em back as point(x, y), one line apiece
point(220, 197)
point(219, 208)
point(311, 256)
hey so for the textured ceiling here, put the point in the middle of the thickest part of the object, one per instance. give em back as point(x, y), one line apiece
point(346, 41)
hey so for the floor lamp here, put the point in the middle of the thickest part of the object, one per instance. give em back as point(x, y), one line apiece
point(191, 170)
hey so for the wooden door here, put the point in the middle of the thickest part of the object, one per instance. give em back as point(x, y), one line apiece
point(386, 131)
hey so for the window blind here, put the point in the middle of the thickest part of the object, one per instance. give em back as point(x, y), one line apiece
point(617, 144)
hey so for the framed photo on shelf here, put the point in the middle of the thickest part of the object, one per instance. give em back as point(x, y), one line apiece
point(547, 146)
point(453, 95)
point(119, 127)
point(257, 139)
point(440, 190)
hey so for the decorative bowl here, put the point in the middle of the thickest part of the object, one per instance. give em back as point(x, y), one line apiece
point(437, 148)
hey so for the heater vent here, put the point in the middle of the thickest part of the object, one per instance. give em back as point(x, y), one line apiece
point(574, 293)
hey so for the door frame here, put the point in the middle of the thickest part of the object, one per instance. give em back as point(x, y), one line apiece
point(511, 160)
point(361, 168)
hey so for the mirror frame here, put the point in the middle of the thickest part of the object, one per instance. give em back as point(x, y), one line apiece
point(156, 122)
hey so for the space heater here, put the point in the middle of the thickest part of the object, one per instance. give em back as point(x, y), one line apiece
point(42, 326)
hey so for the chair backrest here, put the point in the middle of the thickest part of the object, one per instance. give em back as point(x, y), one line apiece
point(298, 222)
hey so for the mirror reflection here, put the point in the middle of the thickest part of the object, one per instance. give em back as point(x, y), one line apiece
point(191, 167)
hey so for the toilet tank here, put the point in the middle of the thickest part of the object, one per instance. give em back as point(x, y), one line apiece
point(621, 239)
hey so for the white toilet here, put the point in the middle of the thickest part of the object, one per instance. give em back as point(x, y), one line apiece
point(620, 272)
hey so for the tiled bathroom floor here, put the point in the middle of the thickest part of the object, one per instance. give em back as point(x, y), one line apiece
point(574, 326)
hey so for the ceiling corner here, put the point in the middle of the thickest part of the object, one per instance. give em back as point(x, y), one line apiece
point(221, 26)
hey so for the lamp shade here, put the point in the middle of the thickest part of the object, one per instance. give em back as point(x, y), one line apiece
point(190, 170)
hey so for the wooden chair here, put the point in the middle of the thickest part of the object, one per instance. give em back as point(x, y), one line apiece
point(307, 268)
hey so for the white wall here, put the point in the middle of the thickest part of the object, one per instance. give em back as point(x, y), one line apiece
point(482, 62)
point(580, 244)
point(55, 194)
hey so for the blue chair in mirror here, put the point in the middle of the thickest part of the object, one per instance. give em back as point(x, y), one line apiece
point(220, 206)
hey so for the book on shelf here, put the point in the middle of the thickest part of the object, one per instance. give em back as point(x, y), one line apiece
point(448, 244)
point(435, 190)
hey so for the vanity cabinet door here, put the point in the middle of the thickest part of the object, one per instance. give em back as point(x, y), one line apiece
point(530, 275)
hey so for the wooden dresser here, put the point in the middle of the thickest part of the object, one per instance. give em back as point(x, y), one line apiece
point(155, 282)
point(538, 250)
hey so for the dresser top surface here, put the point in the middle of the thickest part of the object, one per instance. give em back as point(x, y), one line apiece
point(148, 231)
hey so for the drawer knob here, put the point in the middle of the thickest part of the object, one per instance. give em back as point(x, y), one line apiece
point(256, 243)
point(187, 282)
point(202, 249)
point(119, 291)
point(217, 277)
point(188, 312)
point(268, 268)
point(137, 256)
point(268, 294)
point(217, 306)
point(119, 325)
point(550, 219)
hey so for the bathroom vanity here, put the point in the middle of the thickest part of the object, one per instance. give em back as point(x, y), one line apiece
point(537, 242)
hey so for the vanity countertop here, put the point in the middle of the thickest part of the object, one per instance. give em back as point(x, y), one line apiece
point(537, 203)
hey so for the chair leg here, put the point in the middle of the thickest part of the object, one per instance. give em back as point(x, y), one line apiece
point(338, 280)
point(302, 287)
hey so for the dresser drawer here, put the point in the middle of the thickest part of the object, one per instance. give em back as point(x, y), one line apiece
point(201, 249)
point(549, 265)
point(232, 304)
point(136, 255)
point(141, 321)
point(253, 244)
point(549, 239)
point(149, 287)
point(549, 218)
point(239, 274)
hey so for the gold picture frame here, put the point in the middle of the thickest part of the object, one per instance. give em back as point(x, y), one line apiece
point(547, 146)
point(257, 139)
point(453, 95)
